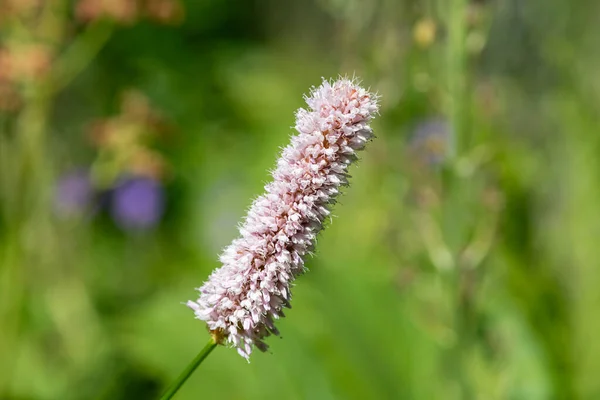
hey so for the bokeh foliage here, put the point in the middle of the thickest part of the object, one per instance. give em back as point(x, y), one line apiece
point(461, 262)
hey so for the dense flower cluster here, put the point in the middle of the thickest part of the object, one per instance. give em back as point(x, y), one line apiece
point(241, 300)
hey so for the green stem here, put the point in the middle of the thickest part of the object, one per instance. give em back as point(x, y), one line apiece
point(457, 187)
point(456, 78)
point(189, 370)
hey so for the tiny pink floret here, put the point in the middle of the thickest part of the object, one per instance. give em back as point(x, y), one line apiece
point(242, 299)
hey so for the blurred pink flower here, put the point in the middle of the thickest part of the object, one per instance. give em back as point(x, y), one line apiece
point(241, 300)
point(123, 11)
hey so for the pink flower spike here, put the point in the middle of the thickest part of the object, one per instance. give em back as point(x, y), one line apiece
point(241, 300)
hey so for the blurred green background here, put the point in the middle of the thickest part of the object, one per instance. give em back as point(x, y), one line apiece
point(462, 262)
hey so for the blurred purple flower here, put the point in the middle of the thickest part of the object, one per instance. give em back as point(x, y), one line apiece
point(137, 203)
point(73, 194)
point(430, 140)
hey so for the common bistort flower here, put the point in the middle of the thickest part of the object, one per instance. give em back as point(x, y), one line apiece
point(242, 299)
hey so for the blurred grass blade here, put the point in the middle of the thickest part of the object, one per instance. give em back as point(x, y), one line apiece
point(80, 53)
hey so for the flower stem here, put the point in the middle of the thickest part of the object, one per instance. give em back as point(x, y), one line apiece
point(457, 230)
point(456, 78)
point(189, 370)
